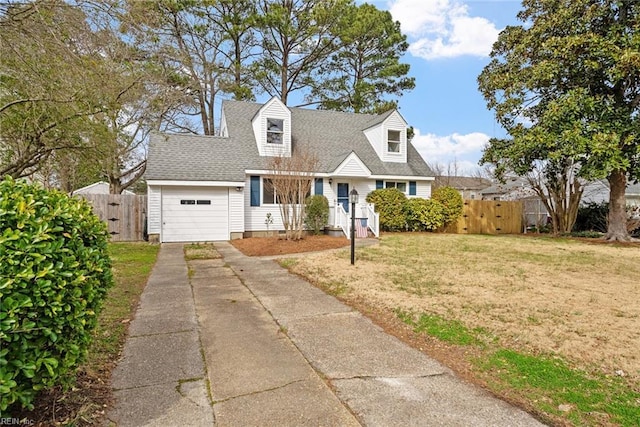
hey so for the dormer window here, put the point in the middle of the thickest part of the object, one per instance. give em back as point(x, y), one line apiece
point(275, 131)
point(393, 141)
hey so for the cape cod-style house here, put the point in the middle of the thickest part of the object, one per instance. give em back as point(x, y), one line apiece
point(207, 188)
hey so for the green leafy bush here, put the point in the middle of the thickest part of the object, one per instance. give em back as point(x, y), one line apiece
point(54, 274)
point(390, 203)
point(423, 214)
point(592, 217)
point(452, 202)
point(317, 213)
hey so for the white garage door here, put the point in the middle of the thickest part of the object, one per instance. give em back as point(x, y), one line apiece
point(195, 214)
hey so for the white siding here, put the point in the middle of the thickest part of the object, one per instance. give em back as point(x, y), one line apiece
point(352, 166)
point(377, 137)
point(423, 189)
point(362, 186)
point(254, 216)
point(224, 131)
point(395, 122)
point(374, 135)
point(273, 109)
point(236, 210)
point(154, 209)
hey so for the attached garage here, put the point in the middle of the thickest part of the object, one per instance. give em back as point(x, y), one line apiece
point(194, 214)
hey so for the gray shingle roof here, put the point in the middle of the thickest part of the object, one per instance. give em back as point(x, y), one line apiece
point(332, 135)
point(463, 182)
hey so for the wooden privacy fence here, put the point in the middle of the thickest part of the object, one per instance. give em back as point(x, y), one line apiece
point(124, 214)
point(489, 217)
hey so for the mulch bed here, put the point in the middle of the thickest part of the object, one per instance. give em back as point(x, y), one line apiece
point(269, 246)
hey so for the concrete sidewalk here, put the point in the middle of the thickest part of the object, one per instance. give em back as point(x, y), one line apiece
point(245, 343)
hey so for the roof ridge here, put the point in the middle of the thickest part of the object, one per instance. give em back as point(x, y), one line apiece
point(312, 110)
point(190, 135)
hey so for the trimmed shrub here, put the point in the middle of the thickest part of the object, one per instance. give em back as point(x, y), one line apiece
point(423, 214)
point(390, 203)
point(54, 274)
point(317, 213)
point(452, 202)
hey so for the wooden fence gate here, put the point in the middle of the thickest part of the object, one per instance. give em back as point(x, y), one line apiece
point(489, 217)
point(124, 214)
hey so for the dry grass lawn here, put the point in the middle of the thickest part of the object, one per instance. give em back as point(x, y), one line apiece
point(542, 295)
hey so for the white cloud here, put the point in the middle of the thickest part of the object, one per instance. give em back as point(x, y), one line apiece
point(443, 28)
point(463, 150)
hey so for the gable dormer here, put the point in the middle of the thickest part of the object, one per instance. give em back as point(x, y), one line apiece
point(389, 138)
point(272, 129)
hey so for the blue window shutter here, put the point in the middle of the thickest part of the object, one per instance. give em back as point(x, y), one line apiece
point(319, 184)
point(255, 191)
point(379, 184)
point(412, 188)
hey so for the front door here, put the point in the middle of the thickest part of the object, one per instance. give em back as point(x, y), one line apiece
point(343, 195)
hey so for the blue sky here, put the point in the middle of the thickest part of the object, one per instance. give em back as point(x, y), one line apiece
point(450, 42)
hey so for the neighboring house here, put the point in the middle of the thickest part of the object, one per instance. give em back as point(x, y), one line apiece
point(203, 188)
point(514, 188)
point(470, 188)
point(517, 188)
point(633, 194)
point(99, 187)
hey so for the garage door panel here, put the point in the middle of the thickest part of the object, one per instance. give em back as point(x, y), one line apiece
point(195, 214)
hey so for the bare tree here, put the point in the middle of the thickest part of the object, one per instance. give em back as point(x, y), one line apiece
point(291, 179)
point(444, 172)
point(557, 185)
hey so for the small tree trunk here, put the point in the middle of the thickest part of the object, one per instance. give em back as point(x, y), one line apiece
point(115, 187)
point(617, 227)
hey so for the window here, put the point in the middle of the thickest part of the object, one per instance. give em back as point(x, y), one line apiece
point(275, 131)
point(269, 196)
point(393, 141)
point(195, 202)
point(402, 186)
point(268, 192)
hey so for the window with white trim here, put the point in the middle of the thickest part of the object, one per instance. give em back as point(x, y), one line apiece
point(393, 141)
point(268, 192)
point(270, 195)
point(400, 185)
point(275, 131)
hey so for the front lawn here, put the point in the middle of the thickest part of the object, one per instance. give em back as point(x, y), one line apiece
point(86, 403)
point(551, 324)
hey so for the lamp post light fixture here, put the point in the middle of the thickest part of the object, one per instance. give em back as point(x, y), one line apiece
point(353, 198)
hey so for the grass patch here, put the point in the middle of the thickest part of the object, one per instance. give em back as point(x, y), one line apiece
point(287, 262)
point(558, 389)
point(548, 383)
point(131, 266)
point(449, 331)
point(335, 288)
point(195, 251)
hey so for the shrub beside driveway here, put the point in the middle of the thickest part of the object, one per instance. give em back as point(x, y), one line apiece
point(85, 403)
point(557, 300)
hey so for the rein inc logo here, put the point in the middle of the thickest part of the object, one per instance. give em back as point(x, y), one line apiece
point(8, 421)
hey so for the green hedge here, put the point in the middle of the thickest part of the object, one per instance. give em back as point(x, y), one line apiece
point(390, 203)
point(316, 213)
point(424, 215)
point(452, 202)
point(54, 274)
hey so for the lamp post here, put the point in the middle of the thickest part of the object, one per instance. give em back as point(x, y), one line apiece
point(353, 198)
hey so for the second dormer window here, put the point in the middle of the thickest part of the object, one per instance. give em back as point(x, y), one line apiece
point(393, 141)
point(275, 131)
